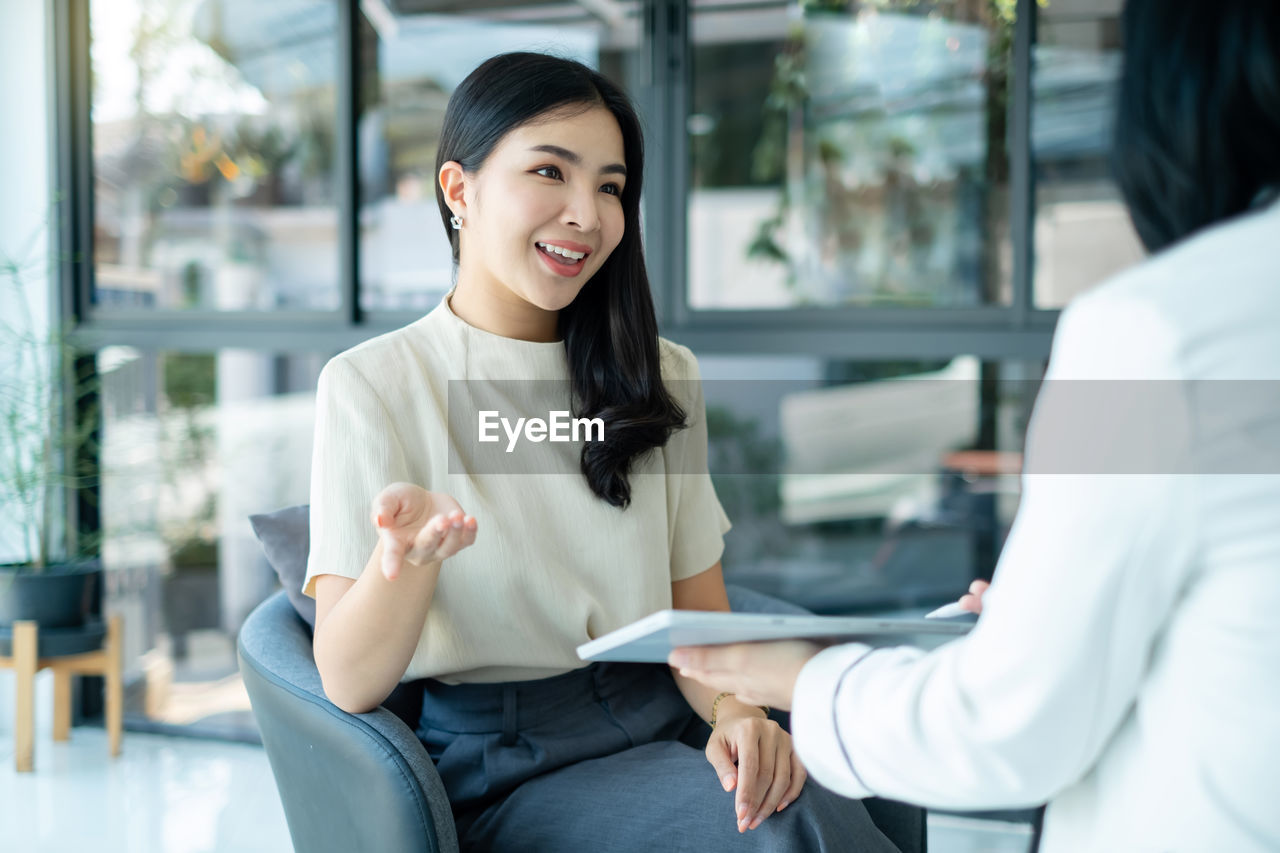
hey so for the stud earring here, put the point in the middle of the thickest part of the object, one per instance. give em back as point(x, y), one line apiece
point(456, 223)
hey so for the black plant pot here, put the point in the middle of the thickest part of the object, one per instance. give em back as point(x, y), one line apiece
point(59, 596)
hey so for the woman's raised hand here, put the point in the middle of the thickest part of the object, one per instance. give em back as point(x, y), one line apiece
point(768, 775)
point(417, 527)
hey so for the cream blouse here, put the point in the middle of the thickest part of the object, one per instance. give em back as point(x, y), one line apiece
point(553, 566)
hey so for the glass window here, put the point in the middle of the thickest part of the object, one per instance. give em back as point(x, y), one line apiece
point(411, 60)
point(1082, 229)
point(848, 154)
point(193, 444)
point(865, 486)
point(214, 132)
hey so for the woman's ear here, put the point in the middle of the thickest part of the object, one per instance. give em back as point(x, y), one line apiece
point(453, 182)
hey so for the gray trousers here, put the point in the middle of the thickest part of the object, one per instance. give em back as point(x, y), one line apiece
point(606, 758)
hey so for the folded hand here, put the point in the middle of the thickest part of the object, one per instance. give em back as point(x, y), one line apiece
point(754, 755)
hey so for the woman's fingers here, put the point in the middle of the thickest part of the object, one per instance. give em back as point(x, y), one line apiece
point(468, 534)
point(428, 540)
point(460, 531)
point(753, 782)
point(433, 540)
point(972, 600)
point(778, 787)
point(798, 777)
point(721, 759)
point(768, 775)
point(442, 537)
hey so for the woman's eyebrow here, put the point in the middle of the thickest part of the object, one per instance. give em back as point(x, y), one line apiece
point(566, 154)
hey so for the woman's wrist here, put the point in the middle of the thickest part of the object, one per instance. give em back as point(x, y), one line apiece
point(727, 706)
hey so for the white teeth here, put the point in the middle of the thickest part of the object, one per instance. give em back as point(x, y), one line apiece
point(577, 256)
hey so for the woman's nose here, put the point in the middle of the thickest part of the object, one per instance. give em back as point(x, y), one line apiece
point(581, 211)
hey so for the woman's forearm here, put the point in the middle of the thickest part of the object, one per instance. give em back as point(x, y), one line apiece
point(706, 591)
point(365, 642)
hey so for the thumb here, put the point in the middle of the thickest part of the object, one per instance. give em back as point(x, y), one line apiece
point(385, 508)
point(392, 555)
point(721, 759)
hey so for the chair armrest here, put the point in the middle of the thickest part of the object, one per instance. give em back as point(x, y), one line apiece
point(348, 782)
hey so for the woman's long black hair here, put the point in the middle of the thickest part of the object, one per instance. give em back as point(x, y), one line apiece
point(1197, 137)
point(610, 331)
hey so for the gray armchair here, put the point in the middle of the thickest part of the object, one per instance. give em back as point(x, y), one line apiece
point(364, 782)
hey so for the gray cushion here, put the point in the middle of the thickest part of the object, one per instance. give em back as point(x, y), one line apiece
point(286, 538)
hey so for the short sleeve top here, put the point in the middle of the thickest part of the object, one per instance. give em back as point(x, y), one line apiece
point(553, 565)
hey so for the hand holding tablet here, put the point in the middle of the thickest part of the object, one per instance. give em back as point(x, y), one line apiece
point(651, 639)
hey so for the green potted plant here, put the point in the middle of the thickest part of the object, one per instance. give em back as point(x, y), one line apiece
point(46, 430)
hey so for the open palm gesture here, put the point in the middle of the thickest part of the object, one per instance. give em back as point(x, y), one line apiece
point(416, 527)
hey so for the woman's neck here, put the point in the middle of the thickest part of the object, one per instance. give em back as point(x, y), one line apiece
point(500, 312)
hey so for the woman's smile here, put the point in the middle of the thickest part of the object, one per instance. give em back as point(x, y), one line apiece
point(563, 257)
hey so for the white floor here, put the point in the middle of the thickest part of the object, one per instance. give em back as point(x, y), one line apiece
point(162, 795)
point(177, 795)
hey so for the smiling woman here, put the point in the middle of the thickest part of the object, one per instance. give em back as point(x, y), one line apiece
point(532, 157)
point(539, 176)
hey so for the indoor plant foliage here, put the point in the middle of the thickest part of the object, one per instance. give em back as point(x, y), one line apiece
point(47, 423)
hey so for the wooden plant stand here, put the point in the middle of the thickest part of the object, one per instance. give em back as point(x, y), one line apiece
point(106, 661)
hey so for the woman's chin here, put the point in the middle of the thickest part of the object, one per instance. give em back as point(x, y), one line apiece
point(553, 298)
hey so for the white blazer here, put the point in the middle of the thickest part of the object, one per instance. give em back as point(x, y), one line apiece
point(1126, 667)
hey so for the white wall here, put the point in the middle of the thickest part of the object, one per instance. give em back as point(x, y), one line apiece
point(25, 151)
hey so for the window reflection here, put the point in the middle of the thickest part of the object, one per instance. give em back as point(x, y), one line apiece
point(1082, 229)
point(877, 169)
point(213, 143)
point(865, 486)
point(192, 445)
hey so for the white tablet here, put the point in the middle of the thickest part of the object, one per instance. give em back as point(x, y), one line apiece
point(652, 638)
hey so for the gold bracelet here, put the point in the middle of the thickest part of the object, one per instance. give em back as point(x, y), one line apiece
point(715, 707)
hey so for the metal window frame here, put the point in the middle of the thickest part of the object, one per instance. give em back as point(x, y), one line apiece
point(73, 154)
point(1018, 330)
